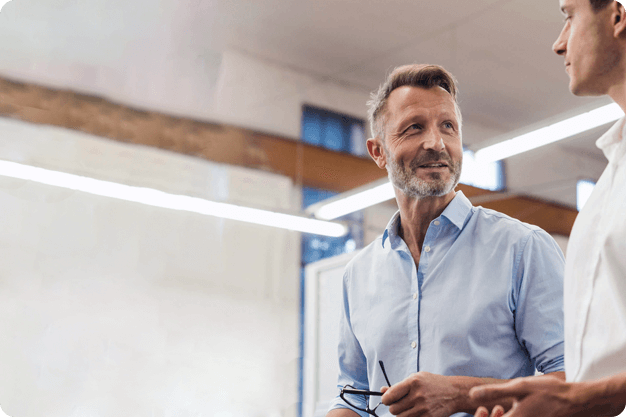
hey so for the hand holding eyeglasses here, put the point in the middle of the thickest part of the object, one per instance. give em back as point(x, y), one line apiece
point(420, 394)
point(362, 400)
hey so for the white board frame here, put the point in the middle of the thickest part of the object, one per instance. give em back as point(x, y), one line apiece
point(312, 405)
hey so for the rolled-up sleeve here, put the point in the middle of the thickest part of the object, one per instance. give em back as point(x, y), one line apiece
point(352, 361)
point(538, 298)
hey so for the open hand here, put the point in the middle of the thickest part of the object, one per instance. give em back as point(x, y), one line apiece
point(546, 397)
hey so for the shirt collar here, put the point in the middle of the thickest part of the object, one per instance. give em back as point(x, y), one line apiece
point(456, 212)
point(610, 141)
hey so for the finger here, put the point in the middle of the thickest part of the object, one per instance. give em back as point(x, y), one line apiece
point(481, 412)
point(384, 389)
point(512, 412)
point(404, 406)
point(486, 393)
point(498, 411)
point(394, 393)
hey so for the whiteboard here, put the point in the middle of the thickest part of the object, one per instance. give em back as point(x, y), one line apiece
point(322, 311)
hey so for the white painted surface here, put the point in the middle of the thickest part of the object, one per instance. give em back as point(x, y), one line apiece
point(255, 64)
point(323, 283)
point(113, 308)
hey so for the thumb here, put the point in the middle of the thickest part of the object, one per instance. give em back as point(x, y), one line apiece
point(494, 392)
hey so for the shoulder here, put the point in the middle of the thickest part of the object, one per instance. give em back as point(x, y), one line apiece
point(506, 226)
point(367, 256)
point(530, 245)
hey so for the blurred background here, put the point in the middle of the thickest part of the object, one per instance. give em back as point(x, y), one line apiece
point(112, 307)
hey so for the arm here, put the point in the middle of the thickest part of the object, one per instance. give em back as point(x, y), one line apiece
point(352, 361)
point(556, 398)
point(433, 395)
point(537, 302)
point(342, 412)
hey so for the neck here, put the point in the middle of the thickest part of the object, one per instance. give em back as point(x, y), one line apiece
point(617, 86)
point(416, 215)
point(618, 93)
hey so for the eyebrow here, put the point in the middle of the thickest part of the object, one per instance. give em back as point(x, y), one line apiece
point(419, 119)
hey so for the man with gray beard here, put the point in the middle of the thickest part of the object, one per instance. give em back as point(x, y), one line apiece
point(451, 296)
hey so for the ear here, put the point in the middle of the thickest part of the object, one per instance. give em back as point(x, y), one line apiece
point(618, 16)
point(377, 152)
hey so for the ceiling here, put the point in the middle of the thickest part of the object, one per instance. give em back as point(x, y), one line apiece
point(499, 50)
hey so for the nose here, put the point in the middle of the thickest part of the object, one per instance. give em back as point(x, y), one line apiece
point(560, 46)
point(434, 141)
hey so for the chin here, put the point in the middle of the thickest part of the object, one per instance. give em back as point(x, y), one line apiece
point(581, 89)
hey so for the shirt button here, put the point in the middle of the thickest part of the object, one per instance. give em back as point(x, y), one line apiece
point(427, 249)
point(413, 345)
point(415, 296)
point(437, 223)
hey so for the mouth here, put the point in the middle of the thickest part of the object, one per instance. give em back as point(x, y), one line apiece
point(434, 165)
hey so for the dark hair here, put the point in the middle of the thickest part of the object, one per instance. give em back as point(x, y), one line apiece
point(598, 5)
point(415, 75)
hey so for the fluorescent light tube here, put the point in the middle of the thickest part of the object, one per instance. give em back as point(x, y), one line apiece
point(356, 202)
point(549, 134)
point(156, 198)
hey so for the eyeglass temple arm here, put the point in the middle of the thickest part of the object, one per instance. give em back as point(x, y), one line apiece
point(384, 373)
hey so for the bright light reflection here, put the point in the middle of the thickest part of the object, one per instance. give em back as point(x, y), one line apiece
point(356, 202)
point(482, 175)
point(550, 134)
point(584, 188)
point(156, 198)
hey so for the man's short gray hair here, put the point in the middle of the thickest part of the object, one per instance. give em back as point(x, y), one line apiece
point(415, 75)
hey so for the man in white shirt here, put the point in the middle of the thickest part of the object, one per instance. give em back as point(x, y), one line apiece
point(593, 44)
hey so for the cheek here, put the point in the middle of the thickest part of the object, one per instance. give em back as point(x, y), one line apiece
point(455, 149)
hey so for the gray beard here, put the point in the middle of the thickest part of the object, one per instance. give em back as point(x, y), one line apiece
point(406, 180)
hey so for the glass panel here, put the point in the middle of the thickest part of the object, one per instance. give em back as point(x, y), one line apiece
point(584, 188)
point(488, 176)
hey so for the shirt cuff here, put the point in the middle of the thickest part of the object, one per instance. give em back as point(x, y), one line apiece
point(337, 402)
point(551, 360)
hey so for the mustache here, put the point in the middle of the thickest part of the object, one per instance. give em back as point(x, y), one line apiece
point(431, 156)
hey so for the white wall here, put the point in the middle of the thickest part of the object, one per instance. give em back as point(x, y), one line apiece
point(113, 308)
point(552, 172)
point(267, 97)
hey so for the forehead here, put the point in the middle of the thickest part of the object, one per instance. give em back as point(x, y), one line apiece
point(575, 4)
point(409, 99)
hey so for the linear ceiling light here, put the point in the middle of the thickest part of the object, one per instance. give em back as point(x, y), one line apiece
point(156, 198)
point(549, 134)
point(361, 199)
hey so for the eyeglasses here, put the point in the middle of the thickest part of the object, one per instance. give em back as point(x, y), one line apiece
point(363, 395)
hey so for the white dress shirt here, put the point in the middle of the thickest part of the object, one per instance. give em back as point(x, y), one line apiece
point(595, 272)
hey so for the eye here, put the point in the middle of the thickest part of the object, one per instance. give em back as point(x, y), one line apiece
point(448, 125)
point(414, 127)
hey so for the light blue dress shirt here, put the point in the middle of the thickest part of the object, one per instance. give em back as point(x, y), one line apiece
point(485, 301)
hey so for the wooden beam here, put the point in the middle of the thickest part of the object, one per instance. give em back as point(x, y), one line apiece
point(551, 217)
point(306, 164)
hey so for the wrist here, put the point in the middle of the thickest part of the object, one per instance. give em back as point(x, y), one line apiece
point(583, 395)
point(460, 388)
